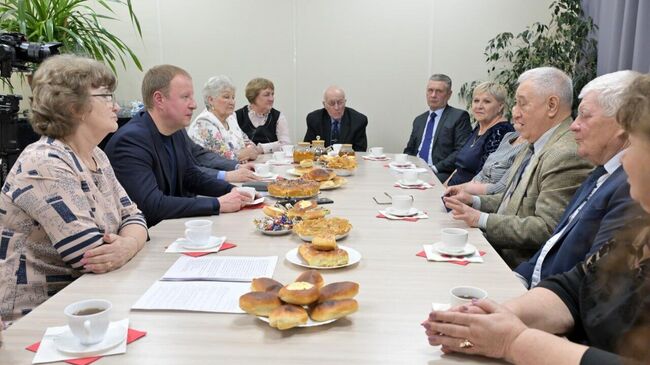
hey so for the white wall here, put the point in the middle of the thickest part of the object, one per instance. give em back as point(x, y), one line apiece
point(380, 51)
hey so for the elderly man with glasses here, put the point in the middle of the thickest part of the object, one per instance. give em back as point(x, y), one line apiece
point(336, 123)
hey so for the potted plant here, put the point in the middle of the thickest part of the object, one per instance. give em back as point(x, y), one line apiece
point(74, 23)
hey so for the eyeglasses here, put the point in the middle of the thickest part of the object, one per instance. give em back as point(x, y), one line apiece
point(109, 98)
point(334, 103)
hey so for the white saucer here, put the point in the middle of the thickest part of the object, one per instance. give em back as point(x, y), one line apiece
point(264, 176)
point(375, 156)
point(467, 250)
point(274, 233)
point(418, 182)
point(212, 242)
point(67, 343)
point(281, 162)
point(406, 164)
point(413, 211)
point(344, 172)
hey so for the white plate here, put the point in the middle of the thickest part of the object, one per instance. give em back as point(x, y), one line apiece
point(293, 197)
point(375, 156)
point(467, 250)
point(344, 172)
point(67, 343)
point(270, 175)
point(416, 183)
point(310, 322)
point(353, 257)
point(212, 242)
point(274, 233)
point(293, 171)
point(256, 201)
point(413, 211)
point(310, 238)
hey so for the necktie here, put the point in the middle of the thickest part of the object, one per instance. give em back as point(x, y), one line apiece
point(424, 152)
point(335, 132)
point(590, 185)
point(515, 179)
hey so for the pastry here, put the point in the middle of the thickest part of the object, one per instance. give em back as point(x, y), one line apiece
point(266, 284)
point(312, 276)
point(300, 293)
point(288, 316)
point(319, 175)
point(338, 291)
point(333, 309)
point(316, 258)
point(326, 242)
point(259, 303)
point(273, 212)
point(318, 227)
point(307, 209)
point(293, 188)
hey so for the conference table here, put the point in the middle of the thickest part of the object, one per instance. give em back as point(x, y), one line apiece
point(397, 289)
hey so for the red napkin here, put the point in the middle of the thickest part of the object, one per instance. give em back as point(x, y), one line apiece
point(256, 206)
point(224, 246)
point(131, 336)
point(457, 262)
point(408, 219)
point(420, 187)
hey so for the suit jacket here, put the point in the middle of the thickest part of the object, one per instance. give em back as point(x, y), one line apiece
point(352, 128)
point(141, 165)
point(541, 196)
point(450, 136)
point(603, 214)
point(208, 161)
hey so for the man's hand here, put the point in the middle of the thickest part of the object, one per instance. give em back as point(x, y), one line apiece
point(248, 166)
point(459, 194)
point(232, 202)
point(247, 154)
point(463, 212)
point(241, 175)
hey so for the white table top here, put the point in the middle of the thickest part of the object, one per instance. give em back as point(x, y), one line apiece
point(396, 290)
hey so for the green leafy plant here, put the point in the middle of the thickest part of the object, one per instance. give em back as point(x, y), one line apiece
point(74, 23)
point(565, 43)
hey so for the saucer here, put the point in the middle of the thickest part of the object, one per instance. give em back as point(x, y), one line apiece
point(467, 250)
point(376, 156)
point(264, 176)
point(411, 212)
point(286, 161)
point(418, 182)
point(212, 242)
point(406, 164)
point(67, 343)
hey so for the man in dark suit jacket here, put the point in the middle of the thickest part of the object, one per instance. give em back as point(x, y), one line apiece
point(437, 138)
point(151, 157)
point(602, 204)
point(336, 123)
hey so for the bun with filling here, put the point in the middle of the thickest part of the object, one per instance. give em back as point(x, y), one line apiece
point(266, 284)
point(273, 212)
point(338, 291)
point(319, 175)
point(300, 293)
point(325, 242)
point(288, 316)
point(259, 303)
point(313, 277)
point(333, 309)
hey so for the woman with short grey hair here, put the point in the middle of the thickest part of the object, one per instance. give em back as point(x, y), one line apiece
point(216, 128)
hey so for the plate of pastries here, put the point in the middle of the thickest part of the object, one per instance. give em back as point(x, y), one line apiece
point(279, 219)
point(306, 302)
point(336, 226)
point(323, 253)
point(297, 188)
point(303, 167)
point(342, 165)
point(327, 178)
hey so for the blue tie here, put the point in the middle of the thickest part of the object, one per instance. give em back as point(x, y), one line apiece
point(428, 138)
point(589, 185)
point(335, 132)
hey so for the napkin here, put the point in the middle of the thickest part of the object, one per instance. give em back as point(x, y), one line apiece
point(372, 158)
point(415, 218)
point(224, 246)
point(175, 247)
point(423, 186)
point(430, 254)
point(255, 204)
point(49, 353)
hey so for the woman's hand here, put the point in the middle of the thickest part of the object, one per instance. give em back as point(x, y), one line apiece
point(247, 154)
point(115, 252)
point(489, 334)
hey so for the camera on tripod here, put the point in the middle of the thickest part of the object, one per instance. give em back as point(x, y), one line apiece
point(16, 54)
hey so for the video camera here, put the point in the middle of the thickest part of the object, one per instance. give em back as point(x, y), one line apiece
point(16, 133)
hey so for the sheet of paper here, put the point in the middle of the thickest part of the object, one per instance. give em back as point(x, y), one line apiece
point(199, 296)
point(221, 268)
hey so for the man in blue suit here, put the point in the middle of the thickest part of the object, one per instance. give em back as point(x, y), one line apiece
point(440, 132)
point(153, 162)
point(602, 204)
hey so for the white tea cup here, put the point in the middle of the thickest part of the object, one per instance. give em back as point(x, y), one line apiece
point(250, 191)
point(89, 319)
point(465, 294)
point(401, 157)
point(377, 151)
point(262, 169)
point(410, 176)
point(453, 239)
point(278, 156)
point(288, 150)
point(198, 231)
point(401, 204)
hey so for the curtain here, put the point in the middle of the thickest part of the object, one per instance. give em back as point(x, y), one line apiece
point(623, 34)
